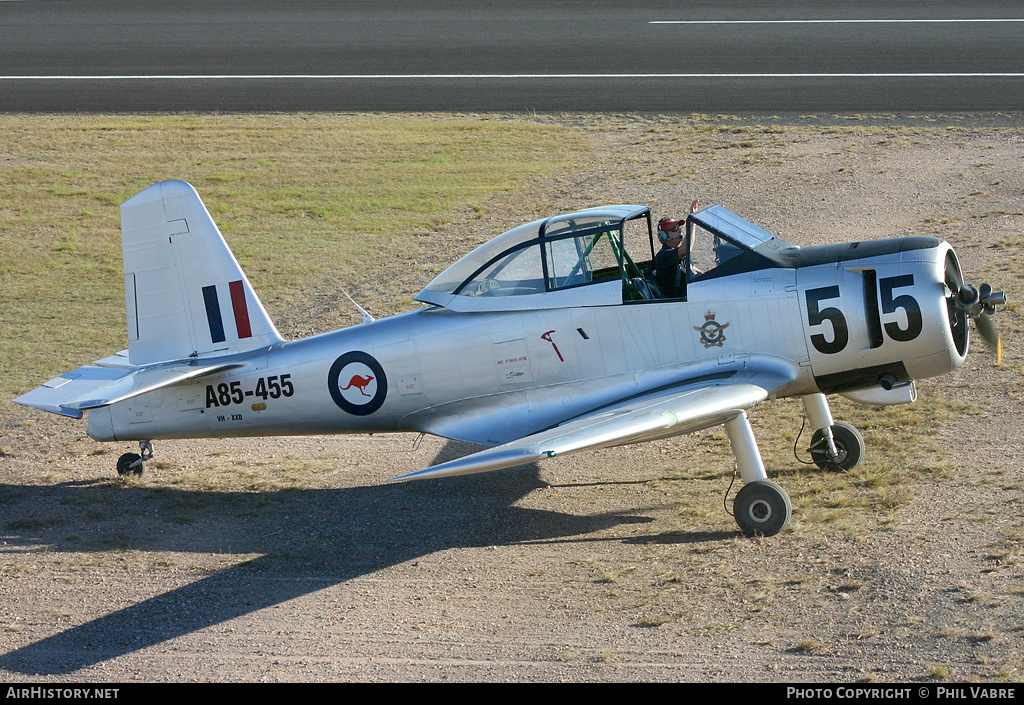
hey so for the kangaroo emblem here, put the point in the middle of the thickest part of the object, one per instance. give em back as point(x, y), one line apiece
point(360, 369)
point(359, 382)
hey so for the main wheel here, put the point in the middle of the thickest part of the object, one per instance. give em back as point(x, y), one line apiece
point(849, 444)
point(126, 464)
point(762, 508)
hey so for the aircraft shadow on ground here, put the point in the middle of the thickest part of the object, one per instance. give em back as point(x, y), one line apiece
point(314, 539)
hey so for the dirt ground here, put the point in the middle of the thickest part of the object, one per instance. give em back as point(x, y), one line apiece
point(292, 560)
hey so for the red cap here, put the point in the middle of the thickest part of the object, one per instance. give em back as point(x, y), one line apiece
point(667, 224)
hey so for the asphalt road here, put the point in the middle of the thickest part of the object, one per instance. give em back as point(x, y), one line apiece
point(455, 55)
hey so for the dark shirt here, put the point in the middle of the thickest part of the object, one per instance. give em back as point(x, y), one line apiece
point(668, 274)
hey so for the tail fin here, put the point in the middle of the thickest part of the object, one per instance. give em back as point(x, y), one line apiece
point(185, 295)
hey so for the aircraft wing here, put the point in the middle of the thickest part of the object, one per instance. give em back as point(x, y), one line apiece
point(656, 415)
point(110, 380)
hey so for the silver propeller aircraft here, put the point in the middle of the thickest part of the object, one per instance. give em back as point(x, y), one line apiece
point(554, 337)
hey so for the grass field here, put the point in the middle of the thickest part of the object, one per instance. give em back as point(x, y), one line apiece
point(298, 197)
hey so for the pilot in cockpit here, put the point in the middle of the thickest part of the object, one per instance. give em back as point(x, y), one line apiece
point(670, 266)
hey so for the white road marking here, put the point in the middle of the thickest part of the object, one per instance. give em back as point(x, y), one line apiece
point(863, 21)
point(462, 76)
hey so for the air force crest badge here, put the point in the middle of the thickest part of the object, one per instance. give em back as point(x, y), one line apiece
point(711, 334)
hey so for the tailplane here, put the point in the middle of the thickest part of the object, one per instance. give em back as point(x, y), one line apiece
point(186, 299)
point(185, 294)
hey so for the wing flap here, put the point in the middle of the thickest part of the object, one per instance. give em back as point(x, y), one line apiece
point(643, 419)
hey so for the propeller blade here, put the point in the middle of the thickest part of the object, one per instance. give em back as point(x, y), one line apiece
point(991, 335)
point(954, 278)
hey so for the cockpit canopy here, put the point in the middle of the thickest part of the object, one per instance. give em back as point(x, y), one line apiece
point(586, 258)
point(575, 259)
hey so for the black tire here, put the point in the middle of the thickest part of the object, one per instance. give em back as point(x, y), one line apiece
point(762, 508)
point(125, 464)
point(849, 443)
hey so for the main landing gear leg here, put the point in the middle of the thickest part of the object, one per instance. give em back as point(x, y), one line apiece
point(836, 445)
point(132, 463)
point(761, 507)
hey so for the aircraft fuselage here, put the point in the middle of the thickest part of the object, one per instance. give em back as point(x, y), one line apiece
point(491, 377)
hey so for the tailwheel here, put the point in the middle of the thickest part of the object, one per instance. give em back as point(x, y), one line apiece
point(849, 446)
point(133, 463)
point(762, 508)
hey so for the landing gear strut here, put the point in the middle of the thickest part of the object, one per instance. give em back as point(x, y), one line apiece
point(132, 463)
point(761, 507)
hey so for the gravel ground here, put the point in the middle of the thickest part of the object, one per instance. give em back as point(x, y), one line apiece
point(290, 560)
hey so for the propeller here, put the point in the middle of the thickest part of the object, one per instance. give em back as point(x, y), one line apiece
point(978, 303)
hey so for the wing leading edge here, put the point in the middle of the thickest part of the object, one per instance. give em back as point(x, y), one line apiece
point(643, 419)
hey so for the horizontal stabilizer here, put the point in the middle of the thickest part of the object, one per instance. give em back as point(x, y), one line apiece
point(93, 386)
point(57, 395)
point(647, 418)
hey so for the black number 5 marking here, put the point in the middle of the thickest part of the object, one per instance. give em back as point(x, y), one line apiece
point(816, 316)
point(904, 301)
